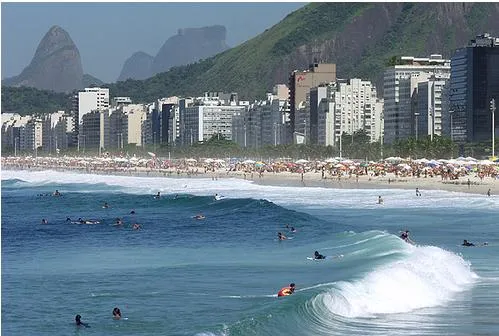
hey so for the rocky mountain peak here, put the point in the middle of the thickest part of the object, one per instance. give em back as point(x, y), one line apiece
point(55, 66)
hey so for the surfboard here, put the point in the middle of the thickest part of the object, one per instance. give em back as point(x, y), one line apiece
point(327, 257)
point(219, 197)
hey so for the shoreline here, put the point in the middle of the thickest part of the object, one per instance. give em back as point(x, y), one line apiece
point(310, 179)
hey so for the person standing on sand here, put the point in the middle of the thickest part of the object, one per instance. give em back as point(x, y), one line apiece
point(488, 192)
point(469, 183)
point(417, 192)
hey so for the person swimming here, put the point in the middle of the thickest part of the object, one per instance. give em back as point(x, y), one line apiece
point(132, 212)
point(280, 236)
point(79, 323)
point(116, 313)
point(105, 206)
point(56, 193)
point(199, 216)
point(467, 243)
point(158, 195)
point(288, 290)
point(293, 230)
point(317, 255)
point(136, 226)
point(44, 221)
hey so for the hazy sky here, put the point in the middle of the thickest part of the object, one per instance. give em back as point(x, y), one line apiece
point(106, 34)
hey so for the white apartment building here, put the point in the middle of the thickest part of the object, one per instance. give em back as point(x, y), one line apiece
point(92, 99)
point(201, 122)
point(430, 104)
point(349, 106)
point(400, 89)
point(136, 115)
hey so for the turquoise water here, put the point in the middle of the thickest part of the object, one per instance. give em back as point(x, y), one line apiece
point(220, 275)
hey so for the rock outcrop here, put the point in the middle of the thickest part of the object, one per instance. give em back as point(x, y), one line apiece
point(55, 66)
point(188, 46)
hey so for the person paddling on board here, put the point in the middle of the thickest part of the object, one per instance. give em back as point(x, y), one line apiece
point(158, 195)
point(79, 323)
point(467, 243)
point(317, 255)
point(285, 291)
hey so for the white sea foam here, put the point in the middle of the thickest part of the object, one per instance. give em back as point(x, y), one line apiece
point(238, 188)
point(427, 277)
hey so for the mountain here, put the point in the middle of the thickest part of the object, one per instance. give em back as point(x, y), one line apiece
point(89, 80)
point(359, 37)
point(138, 66)
point(55, 66)
point(188, 46)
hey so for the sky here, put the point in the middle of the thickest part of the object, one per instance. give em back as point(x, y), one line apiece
point(106, 34)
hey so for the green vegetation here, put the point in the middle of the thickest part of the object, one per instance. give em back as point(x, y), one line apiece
point(254, 67)
point(26, 100)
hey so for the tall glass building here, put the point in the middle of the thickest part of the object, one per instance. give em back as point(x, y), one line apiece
point(474, 82)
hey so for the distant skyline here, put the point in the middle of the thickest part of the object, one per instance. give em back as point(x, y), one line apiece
point(107, 34)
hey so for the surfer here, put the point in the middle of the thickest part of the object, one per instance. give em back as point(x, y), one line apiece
point(68, 219)
point(79, 323)
point(293, 230)
point(380, 200)
point(116, 313)
point(280, 236)
point(119, 221)
point(158, 195)
point(467, 243)
point(317, 255)
point(199, 216)
point(105, 206)
point(285, 291)
point(132, 212)
point(136, 226)
point(56, 193)
point(44, 221)
point(404, 235)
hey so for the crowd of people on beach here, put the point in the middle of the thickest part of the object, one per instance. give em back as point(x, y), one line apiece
point(334, 168)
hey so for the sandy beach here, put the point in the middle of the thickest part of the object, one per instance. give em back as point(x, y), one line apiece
point(476, 184)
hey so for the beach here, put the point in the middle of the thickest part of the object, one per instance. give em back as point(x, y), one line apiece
point(471, 182)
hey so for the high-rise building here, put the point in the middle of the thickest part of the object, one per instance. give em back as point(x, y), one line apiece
point(92, 99)
point(474, 81)
point(300, 83)
point(431, 106)
point(347, 107)
point(400, 91)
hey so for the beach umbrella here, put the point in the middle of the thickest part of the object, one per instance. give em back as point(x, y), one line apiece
point(151, 154)
point(259, 164)
point(191, 160)
point(331, 160)
point(219, 161)
point(248, 162)
point(394, 159)
point(301, 161)
point(208, 160)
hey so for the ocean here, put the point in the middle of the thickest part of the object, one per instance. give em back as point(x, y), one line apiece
point(220, 275)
